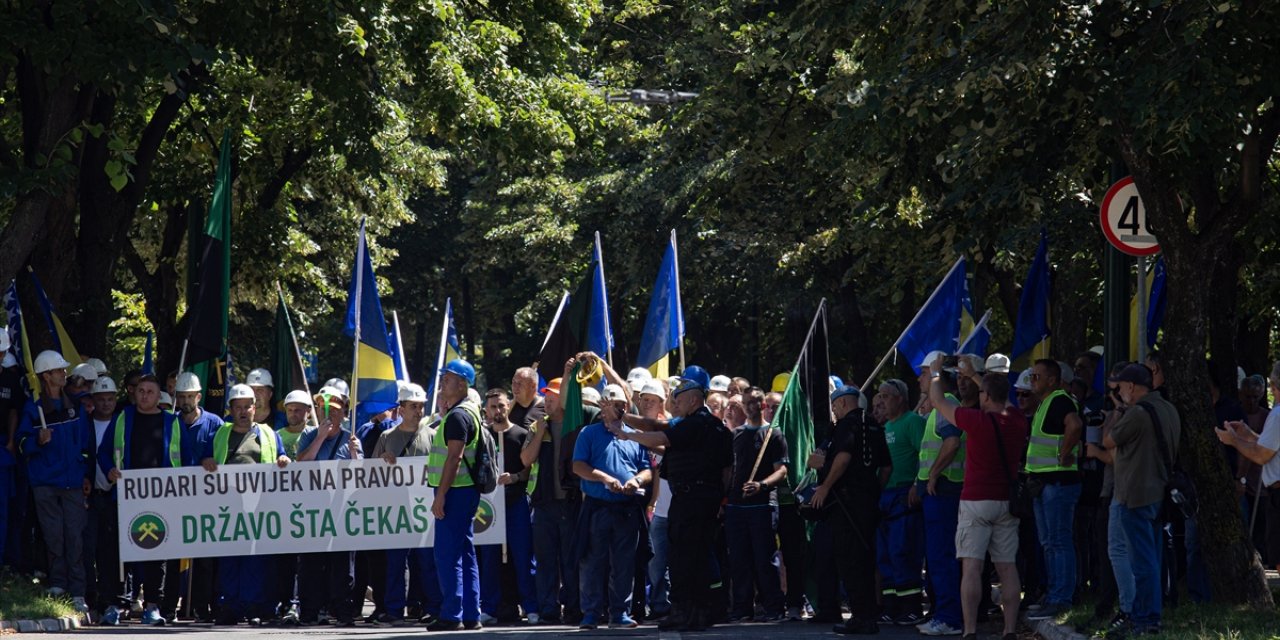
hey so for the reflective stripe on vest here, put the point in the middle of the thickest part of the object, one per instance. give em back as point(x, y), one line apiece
point(175, 442)
point(266, 441)
point(1043, 448)
point(931, 446)
point(440, 449)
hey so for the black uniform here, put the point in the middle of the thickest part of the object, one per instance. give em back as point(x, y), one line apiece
point(700, 448)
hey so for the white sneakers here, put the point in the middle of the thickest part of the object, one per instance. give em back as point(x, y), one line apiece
point(936, 627)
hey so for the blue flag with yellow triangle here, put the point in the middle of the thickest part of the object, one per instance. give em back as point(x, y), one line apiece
point(373, 383)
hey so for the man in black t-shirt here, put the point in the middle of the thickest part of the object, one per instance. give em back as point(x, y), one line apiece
point(750, 517)
point(503, 585)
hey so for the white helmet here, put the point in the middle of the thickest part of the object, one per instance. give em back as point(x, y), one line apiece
point(639, 373)
point(50, 360)
point(338, 387)
point(412, 393)
point(165, 398)
point(298, 396)
point(654, 388)
point(104, 385)
point(720, 383)
point(998, 363)
point(9, 360)
point(1067, 374)
point(187, 383)
point(474, 395)
point(929, 358)
point(614, 393)
point(84, 371)
point(240, 392)
point(591, 396)
point(638, 384)
point(98, 365)
point(1024, 380)
point(259, 378)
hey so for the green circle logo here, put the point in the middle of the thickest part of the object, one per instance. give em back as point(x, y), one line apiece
point(148, 530)
point(484, 517)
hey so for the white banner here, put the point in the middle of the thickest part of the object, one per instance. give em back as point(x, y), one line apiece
point(306, 507)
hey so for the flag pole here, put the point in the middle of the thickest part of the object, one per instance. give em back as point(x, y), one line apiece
point(564, 300)
point(297, 354)
point(973, 332)
point(362, 250)
point(444, 344)
point(608, 330)
point(675, 256)
point(404, 367)
point(889, 354)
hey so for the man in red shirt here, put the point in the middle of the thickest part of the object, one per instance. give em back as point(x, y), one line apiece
point(996, 435)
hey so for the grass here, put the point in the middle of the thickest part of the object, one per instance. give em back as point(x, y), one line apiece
point(1191, 621)
point(23, 598)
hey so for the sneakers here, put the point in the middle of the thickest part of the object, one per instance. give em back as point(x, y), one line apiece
point(937, 627)
point(625, 622)
point(111, 616)
point(472, 625)
point(794, 614)
point(79, 604)
point(488, 619)
point(533, 618)
point(909, 619)
point(151, 616)
point(588, 623)
point(445, 625)
point(1046, 611)
point(1119, 627)
point(290, 617)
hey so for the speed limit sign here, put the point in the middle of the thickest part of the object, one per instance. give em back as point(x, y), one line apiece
point(1124, 220)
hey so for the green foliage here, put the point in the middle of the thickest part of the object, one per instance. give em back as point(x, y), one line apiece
point(22, 598)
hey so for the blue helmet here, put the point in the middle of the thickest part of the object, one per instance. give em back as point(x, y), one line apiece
point(836, 382)
point(846, 390)
point(462, 369)
point(698, 376)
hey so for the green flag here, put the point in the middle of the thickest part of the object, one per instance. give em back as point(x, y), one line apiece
point(286, 366)
point(571, 400)
point(804, 415)
point(207, 332)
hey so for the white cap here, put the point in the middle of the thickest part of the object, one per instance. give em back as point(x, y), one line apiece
point(50, 360)
point(474, 395)
point(84, 370)
point(639, 373)
point(591, 396)
point(259, 378)
point(614, 393)
point(104, 385)
point(10, 360)
point(1024, 380)
point(998, 362)
point(337, 387)
point(720, 383)
point(240, 392)
point(165, 398)
point(654, 388)
point(412, 393)
point(298, 396)
point(98, 365)
point(929, 358)
point(187, 382)
point(1068, 374)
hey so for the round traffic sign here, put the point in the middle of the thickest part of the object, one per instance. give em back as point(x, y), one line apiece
point(1124, 220)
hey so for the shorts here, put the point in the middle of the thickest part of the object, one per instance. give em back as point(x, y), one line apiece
point(986, 526)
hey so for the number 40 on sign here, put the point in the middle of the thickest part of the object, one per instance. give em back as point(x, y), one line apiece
point(1124, 220)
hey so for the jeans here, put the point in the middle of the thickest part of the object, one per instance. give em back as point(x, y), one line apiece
point(659, 599)
point(494, 585)
point(422, 566)
point(899, 544)
point(1141, 530)
point(753, 564)
point(62, 520)
point(609, 550)
point(941, 514)
point(6, 492)
point(1118, 553)
point(1055, 521)
point(1198, 588)
point(456, 566)
point(554, 547)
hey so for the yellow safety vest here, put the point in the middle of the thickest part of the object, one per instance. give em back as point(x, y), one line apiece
point(931, 446)
point(1042, 450)
point(266, 441)
point(440, 449)
point(175, 442)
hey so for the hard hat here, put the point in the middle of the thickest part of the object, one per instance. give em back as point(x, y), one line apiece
point(780, 382)
point(259, 378)
point(978, 363)
point(998, 363)
point(4, 340)
point(719, 383)
point(298, 396)
point(240, 392)
point(846, 390)
point(332, 393)
point(638, 384)
point(639, 373)
point(474, 395)
point(104, 385)
point(1024, 380)
point(1097, 348)
point(165, 398)
point(84, 371)
point(590, 373)
point(552, 387)
point(614, 393)
point(50, 360)
point(9, 360)
point(673, 382)
point(98, 365)
point(462, 369)
point(337, 387)
point(591, 396)
point(1067, 374)
point(929, 358)
point(187, 382)
point(834, 382)
point(412, 393)
point(698, 375)
point(654, 388)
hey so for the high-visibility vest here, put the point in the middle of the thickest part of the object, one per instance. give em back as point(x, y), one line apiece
point(175, 440)
point(931, 446)
point(440, 449)
point(266, 441)
point(1042, 450)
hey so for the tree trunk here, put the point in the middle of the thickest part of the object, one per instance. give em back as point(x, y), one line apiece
point(1224, 299)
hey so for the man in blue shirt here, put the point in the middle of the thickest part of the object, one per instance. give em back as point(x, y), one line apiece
point(198, 427)
point(613, 474)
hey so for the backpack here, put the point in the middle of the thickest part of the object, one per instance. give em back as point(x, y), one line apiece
point(485, 472)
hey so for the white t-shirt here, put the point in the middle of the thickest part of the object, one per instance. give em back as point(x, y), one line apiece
point(663, 503)
point(1270, 438)
point(99, 430)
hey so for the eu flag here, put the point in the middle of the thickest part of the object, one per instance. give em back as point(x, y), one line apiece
point(61, 340)
point(373, 387)
point(937, 324)
point(664, 324)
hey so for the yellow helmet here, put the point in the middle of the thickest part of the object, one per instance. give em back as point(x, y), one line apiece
point(780, 382)
point(591, 372)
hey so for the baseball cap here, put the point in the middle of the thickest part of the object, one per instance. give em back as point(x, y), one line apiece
point(552, 387)
point(1135, 373)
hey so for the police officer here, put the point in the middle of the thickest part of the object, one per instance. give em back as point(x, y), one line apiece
point(453, 454)
point(241, 579)
point(696, 465)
